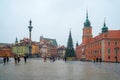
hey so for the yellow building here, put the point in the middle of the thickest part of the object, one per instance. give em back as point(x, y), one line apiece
point(35, 49)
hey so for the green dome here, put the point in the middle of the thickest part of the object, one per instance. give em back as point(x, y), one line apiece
point(105, 28)
point(87, 23)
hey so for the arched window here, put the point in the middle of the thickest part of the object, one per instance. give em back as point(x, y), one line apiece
point(108, 57)
point(108, 42)
point(116, 42)
point(109, 51)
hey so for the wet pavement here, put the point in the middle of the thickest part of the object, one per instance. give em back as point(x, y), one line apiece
point(36, 69)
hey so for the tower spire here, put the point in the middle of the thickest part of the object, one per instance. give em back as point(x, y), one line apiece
point(87, 14)
point(104, 21)
point(104, 28)
point(16, 41)
point(70, 33)
point(30, 23)
point(87, 22)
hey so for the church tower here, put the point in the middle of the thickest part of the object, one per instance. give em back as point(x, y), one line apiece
point(16, 41)
point(87, 31)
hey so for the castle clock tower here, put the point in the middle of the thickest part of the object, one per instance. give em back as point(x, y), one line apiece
point(87, 31)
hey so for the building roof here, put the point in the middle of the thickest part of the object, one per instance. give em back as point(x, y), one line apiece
point(5, 44)
point(52, 41)
point(111, 34)
point(114, 34)
point(62, 47)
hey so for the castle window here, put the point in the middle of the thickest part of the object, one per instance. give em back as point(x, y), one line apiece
point(100, 43)
point(116, 50)
point(108, 57)
point(108, 51)
point(105, 35)
point(116, 42)
point(95, 52)
point(108, 42)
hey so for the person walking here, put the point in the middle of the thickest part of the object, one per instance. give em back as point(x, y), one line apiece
point(45, 60)
point(4, 60)
point(100, 60)
point(53, 59)
point(65, 58)
point(7, 59)
point(25, 58)
point(97, 60)
point(18, 58)
point(15, 58)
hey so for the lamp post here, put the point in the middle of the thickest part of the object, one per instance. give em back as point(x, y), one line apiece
point(30, 30)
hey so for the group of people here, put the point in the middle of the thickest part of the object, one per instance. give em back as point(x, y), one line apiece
point(5, 59)
point(97, 60)
point(17, 59)
point(52, 58)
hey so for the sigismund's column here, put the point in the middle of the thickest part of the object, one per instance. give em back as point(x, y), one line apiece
point(30, 41)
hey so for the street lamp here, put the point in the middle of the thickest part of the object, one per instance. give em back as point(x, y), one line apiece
point(30, 30)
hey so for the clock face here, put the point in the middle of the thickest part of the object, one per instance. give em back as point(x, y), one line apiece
point(88, 31)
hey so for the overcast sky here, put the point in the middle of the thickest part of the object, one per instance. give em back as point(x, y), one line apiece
point(54, 18)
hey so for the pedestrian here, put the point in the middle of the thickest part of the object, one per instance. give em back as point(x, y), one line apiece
point(97, 60)
point(65, 58)
point(15, 58)
point(100, 60)
point(7, 59)
point(18, 58)
point(50, 58)
point(45, 59)
point(94, 59)
point(4, 60)
point(25, 58)
point(53, 58)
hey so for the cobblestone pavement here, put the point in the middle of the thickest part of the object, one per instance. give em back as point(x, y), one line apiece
point(36, 69)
